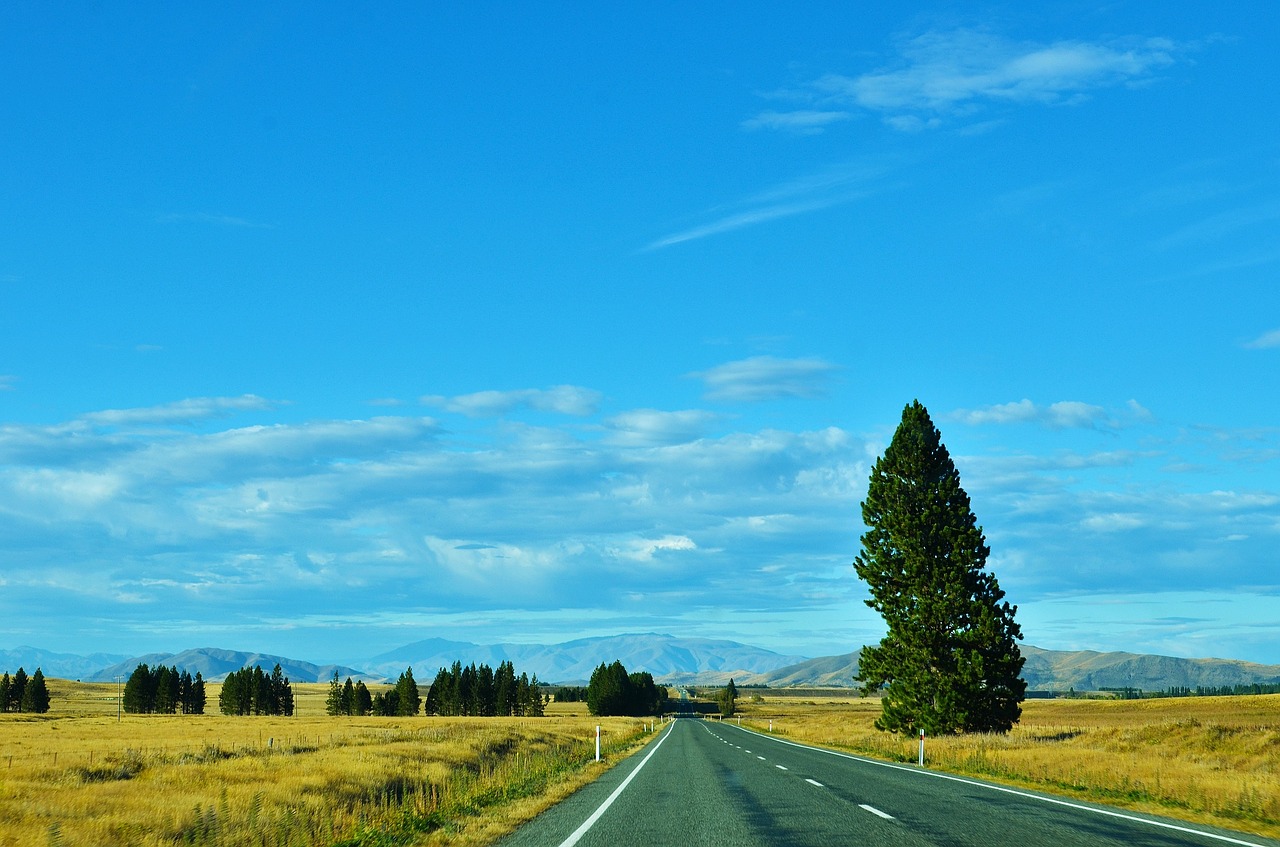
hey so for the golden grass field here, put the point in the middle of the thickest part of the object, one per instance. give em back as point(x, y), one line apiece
point(1212, 760)
point(77, 776)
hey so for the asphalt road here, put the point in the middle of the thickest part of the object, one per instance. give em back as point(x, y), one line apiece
point(712, 783)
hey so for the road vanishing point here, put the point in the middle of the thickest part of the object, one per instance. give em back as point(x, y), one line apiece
point(713, 783)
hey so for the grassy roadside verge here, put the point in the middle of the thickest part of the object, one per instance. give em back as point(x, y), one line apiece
point(80, 777)
point(1212, 760)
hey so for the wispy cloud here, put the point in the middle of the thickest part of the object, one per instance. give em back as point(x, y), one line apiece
point(561, 399)
point(651, 426)
point(800, 121)
point(1067, 414)
point(942, 74)
point(822, 189)
point(1265, 341)
point(212, 219)
point(766, 378)
point(182, 411)
point(7, 382)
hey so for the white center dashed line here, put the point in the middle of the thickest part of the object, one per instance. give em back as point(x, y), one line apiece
point(780, 767)
point(873, 810)
point(814, 782)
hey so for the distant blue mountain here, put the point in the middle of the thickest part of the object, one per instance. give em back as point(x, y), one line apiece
point(214, 664)
point(573, 661)
point(59, 665)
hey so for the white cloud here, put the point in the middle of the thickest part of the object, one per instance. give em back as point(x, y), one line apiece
point(561, 399)
point(646, 549)
point(1067, 414)
point(766, 378)
point(958, 72)
point(180, 412)
point(801, 121)
point(650, 426)
point(822, 189)
point(1265, 341)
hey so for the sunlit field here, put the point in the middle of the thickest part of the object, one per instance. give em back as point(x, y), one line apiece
point(1209, 759)
point(78, 776)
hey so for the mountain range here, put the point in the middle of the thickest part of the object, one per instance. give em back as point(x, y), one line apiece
point(685, 661)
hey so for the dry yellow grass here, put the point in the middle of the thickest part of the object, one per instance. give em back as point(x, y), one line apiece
point(77, 776)
point(1208, 759)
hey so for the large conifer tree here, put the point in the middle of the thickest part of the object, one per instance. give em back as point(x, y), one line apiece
point(950, 660)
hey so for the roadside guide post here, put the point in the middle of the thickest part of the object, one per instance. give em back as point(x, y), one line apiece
point(922, 748)
point(597, 742)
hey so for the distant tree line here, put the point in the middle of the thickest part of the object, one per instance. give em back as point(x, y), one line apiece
point(570, 694)
point(249, 691)
point(21, 693)
point(613, 691)
point(1199, 691)
point(483, 692)
point(162, 690)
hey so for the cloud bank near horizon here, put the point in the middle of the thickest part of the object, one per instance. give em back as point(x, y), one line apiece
point(124, 527)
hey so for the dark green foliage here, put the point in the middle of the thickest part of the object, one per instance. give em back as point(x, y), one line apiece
point(162, 690)
point(727, 699)
point(36, 698)
point(249, 691)
point(571, 694)
point(15, 691)
point(20, 693)
point(612, 691)
point(482, 691)
point(333, 702)
point(950, 660)
point(408, 700)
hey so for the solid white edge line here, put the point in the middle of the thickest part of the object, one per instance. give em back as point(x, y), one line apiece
point(873, 810)
point(1025, 794)
point(595, 816)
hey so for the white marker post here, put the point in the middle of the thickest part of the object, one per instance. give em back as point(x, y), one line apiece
point(598, 743)
point(922, 748)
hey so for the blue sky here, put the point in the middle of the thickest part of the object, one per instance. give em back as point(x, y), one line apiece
point(326, 330)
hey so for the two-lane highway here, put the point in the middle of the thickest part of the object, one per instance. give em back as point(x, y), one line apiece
point(706, 782)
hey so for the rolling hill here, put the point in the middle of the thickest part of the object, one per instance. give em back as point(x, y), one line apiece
point(672, 660)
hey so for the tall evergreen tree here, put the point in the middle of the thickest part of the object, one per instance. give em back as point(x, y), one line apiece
point(950, 660)
point(139, 697)
point(333, 702)
point(5, 685)
point(17, 690)
point(408, 700)
point(36, 697)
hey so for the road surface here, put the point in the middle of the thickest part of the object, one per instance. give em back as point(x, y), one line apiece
point(713, 783)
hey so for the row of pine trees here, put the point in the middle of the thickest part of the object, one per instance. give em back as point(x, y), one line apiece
point(249, 691)
point(474, 690)
point(164, 691)
point(354, 699)
point(21, 693)
point(483, 692)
